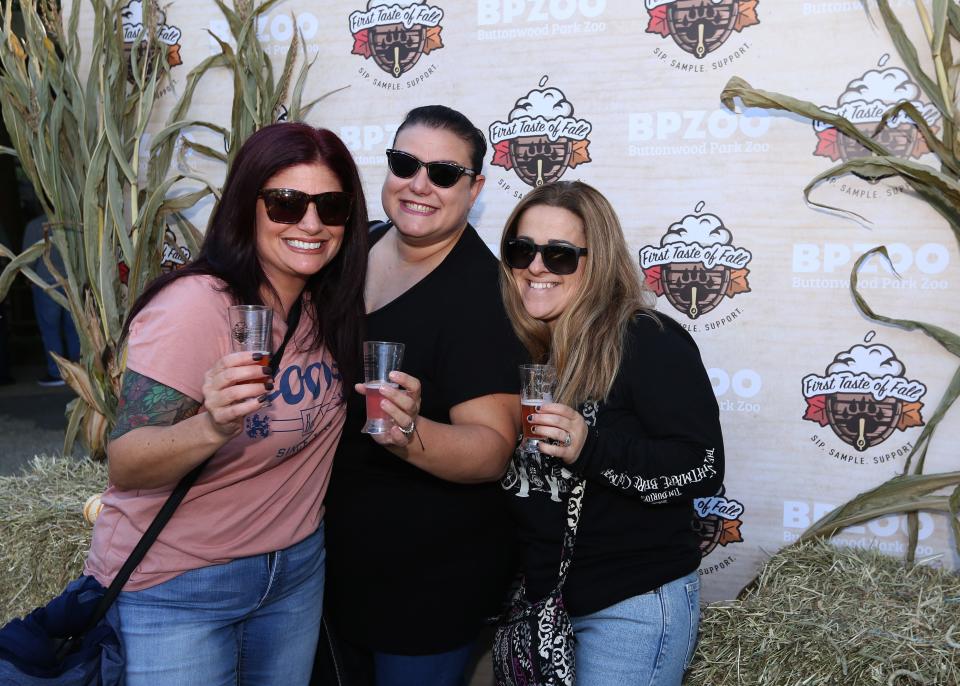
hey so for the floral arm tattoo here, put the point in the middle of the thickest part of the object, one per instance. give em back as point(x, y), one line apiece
point(145, 402)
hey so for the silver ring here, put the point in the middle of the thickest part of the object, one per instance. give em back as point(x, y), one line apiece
point(408, 430)
point(567, 441)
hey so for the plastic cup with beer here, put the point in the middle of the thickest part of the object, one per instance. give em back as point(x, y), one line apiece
point(379, 359)
point(538, 383)
point(251, 328)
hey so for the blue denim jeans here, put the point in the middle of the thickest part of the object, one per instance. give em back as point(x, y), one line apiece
point(646, 640)
point(56, 330)
point(439, 669)
point(254, 620)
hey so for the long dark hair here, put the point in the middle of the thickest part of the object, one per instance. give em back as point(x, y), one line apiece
point(229, 249)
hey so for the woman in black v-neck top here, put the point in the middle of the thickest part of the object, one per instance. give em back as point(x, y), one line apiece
point(418, 540)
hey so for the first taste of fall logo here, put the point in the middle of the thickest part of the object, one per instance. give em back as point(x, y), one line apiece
point(541, 138)
point(131, 23)
point(864, 103)
point(395, 33)
point(864, 396)
point(700, 26)
point(696, 264)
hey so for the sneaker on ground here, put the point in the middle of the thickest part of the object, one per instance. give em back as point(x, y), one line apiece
point(50, 381)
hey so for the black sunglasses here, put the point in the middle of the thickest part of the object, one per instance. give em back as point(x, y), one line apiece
point(287, 206)
point(442, 174)
point(559, 258)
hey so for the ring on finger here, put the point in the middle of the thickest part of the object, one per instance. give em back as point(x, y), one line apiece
point(567, 441)
point(408, 430)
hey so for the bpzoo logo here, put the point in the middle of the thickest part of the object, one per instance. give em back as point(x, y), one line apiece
point(863, 103)
point(395, 33)
point(541, 138)
point(131, 22)
point(699, 27)
point(696, 264)
point(864, 396)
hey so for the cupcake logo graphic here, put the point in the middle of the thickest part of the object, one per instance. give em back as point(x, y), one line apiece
point(541, 138)
point(700, 26)
point(395, 33)
point(718, 520)
point(168, 37)
point(697, 264)
point(863, 103)
point(864, 396)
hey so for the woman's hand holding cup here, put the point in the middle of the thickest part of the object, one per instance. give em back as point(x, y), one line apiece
point(562, 431)
point(237, 385)
point(400, 401)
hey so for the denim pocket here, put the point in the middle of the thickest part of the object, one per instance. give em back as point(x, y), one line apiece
point(693, 603)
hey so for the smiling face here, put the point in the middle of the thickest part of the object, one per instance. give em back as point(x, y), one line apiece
point(291, 253)
point(421, 211)
point(546, 295)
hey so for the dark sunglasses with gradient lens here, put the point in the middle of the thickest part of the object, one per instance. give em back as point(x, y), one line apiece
point(287, 206)
point(441, 174)
point(559, 258)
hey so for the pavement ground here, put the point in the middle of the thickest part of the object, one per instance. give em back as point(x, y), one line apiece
point(32, 419)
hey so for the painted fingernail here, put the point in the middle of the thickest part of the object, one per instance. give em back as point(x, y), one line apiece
point(261, 398)
point(537, 408)
point(268, 371)
point(529, 417)
point(257, 357)
point(268, 386)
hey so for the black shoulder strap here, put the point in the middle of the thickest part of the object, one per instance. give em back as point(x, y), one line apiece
point(174, 500)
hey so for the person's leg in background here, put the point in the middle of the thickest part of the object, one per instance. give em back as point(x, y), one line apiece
point(48, 314)
point(441, 669)
point(646, 640)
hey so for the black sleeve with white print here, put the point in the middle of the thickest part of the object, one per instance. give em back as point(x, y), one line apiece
point(657, 436)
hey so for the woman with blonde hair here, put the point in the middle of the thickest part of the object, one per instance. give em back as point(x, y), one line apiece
point(635, 424)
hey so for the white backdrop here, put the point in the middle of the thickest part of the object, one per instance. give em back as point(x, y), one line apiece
point(817, 402)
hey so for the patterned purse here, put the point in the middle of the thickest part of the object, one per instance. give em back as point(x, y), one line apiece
point(534, 642)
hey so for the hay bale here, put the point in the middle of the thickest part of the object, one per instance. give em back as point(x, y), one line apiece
point(43, 535)
point(820, 615)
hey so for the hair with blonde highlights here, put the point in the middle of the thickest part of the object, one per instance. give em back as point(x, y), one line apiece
point(586, 344)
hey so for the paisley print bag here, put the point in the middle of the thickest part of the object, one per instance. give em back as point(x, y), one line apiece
point(533, 644)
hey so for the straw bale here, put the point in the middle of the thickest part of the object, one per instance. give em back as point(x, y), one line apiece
point(819, 615)
point(43, 535)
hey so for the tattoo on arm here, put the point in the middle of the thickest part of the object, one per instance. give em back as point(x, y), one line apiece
point(145, 402)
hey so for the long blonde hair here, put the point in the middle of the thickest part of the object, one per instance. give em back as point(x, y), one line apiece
point(586, 344)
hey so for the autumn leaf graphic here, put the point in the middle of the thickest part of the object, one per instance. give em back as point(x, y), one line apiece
point(747, 15)
point(911, 416)
point(738, 282)
point(361, 44)
point(817, 410)
point(432, 41)
point(658, 21)
point(579, 154)
point(730, 532)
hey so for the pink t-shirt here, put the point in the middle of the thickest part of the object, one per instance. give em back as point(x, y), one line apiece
point(264, 489)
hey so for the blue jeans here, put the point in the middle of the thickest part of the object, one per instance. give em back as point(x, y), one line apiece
point(254, 620)
point(440, 669)
point(646, 640)
point(56, 330)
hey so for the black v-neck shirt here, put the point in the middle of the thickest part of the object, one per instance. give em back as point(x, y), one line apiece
point(415, 564)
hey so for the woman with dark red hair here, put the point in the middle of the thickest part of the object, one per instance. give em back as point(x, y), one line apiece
point(231, 590)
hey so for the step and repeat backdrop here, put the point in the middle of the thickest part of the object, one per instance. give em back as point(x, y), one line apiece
point(817, 402)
